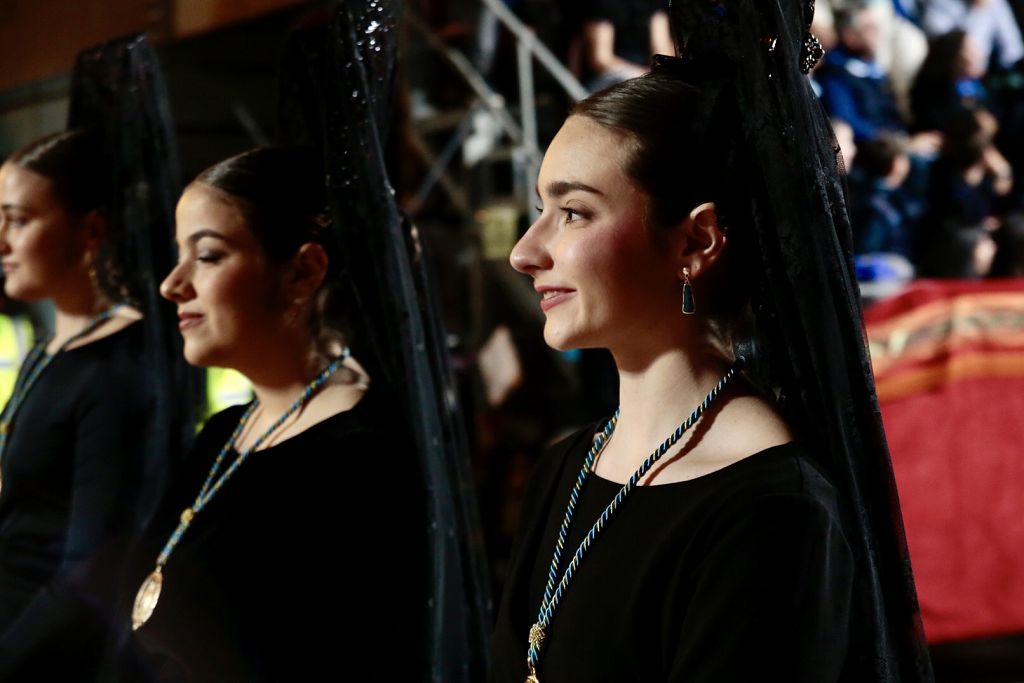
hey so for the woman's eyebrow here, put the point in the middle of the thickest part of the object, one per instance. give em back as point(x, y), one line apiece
point(560, 188)
point(206, 232)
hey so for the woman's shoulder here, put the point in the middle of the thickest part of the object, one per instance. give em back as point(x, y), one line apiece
point(570, 447)
point(109, 371)
point(122, 352)
point(223, 421)
point(787, 468)
point(215, 431)
point(782, 482)
point(376, 416)
point(117, 320)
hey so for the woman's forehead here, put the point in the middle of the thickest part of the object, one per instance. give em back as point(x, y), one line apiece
point(22, 187)
point(587, 153)
point(204, 209)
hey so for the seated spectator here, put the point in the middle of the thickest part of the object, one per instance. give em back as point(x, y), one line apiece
point(990, 23)
point(854, 87)
point(881, 215)
point(620, 36)
point(969, 174)
point(902, 47)
point(949, 81)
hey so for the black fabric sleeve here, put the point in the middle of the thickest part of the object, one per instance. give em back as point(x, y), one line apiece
point(771, 599)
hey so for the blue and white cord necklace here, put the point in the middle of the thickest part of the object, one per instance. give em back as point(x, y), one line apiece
point(33, 366)
point(148, 594)
point(552, 593)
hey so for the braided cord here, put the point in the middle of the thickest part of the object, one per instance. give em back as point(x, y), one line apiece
point(210, 487)
point(553, 594)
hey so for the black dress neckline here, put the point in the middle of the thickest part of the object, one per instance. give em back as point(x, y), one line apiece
point(723, 471)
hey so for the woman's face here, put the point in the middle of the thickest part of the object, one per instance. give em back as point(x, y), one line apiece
point(42, 244)
point(226, 289)
point(603, 280)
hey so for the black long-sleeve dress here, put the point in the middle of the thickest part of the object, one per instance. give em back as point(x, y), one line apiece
point(73, 471)
point(320, 535)
point(743, 574)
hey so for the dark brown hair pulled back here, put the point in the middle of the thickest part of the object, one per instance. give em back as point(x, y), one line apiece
point(281, 193)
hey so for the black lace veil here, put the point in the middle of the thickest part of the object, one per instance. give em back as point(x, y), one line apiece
point(337, 94)
point(810, 348)
point(117, 91)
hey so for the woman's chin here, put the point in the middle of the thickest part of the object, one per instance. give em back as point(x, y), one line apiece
point(560, 341)
point(13, 290)
point(201, 357)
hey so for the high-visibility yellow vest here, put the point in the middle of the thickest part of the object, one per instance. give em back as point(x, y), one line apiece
point(16, 339)
point(225, 388)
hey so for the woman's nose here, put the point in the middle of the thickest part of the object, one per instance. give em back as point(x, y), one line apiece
point(175, 286)
point(530, 253)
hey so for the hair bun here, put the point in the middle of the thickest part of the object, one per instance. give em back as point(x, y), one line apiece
point(715, 33)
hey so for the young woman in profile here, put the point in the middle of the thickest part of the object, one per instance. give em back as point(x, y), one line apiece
point(734, 520)
point(74, 434)
point(238, 576)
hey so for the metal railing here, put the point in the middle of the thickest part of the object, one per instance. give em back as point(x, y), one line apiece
point(522, 134)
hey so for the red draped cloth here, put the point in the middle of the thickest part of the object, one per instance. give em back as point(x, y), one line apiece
point(948, 358)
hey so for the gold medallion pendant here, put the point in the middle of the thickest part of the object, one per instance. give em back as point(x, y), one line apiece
point(149, 592)
point(146, 599)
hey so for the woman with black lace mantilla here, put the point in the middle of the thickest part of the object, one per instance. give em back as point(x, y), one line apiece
point(735, 519)
point(90, 428)
point(72, 433)
point(237, 577)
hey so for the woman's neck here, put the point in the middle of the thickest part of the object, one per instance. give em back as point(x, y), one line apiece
point(74, 310)
point(278, 383)
point(659, 388)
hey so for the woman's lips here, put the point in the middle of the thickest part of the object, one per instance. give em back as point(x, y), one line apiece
point(549, 298)
point(187, 320)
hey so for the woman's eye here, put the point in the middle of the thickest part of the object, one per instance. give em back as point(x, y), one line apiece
point(209, 256)
point(571, 215)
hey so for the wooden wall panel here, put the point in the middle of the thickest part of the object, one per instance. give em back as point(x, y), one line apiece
point(40, 38)
point(198, 16)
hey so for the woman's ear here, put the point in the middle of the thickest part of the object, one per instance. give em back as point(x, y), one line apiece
point(702, 239)
point(94, 230)
point(306, 271)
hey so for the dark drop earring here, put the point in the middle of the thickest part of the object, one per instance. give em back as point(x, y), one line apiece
point(688, 307)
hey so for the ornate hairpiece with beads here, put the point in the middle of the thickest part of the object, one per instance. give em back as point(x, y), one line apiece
point(708, 42)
